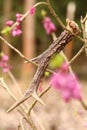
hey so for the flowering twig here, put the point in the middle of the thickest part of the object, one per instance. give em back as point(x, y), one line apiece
point(27, 13)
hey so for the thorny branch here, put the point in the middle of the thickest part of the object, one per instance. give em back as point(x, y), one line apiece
point(62, 25)
point(20, 54)
point(27, 118)
point(34, 103)
point(43, 60)
point(56, 46)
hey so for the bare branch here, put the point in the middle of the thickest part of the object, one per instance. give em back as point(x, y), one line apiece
point(56, 46)
point(34, 103)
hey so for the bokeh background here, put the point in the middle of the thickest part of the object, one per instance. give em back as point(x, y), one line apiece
point(34, 39)
point(32, 42)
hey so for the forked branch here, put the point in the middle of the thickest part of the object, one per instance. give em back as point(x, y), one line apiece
point(57, 45)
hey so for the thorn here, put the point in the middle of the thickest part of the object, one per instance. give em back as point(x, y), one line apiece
point(34, 94)
point(20, 101)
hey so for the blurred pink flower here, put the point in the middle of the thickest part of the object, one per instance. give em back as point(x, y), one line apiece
point(16, 31)
point(5, 58)
point(48, 25)
point(4, 63)
point(9, 23)
point(67, 84)
point(18, 17)
point(32, 11)
point(85, 125)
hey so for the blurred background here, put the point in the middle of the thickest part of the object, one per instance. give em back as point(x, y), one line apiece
point(32, 42)
point(34, 39)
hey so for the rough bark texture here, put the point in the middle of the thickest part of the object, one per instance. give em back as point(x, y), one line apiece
point(44, 59)
point(56, 46)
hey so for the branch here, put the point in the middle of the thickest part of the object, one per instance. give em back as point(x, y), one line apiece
point(55, 15)
point(56, 46)
point(21, 55)
point(14, 82)
point(60, 22)
point(34, 103)
point(28, 119)
point(4, 85)
point(78, 53)
point(27, 13)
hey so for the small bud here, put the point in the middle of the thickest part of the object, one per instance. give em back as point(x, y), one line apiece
point(43, 13)
point(32, 11)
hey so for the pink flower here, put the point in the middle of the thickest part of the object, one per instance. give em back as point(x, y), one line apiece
point(9, 23)
point(18, 17)
point(16, 31)
point(32, 11)
point(5, 58)
point(66, 84)
point(48, 25)
point(4, 63)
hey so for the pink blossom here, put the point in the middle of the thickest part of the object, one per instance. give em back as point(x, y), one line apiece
point(66, 84)
point(18, 17)
point(9, 23)
point(5, 58)
point(4, 63)
point(48, 25)
point(16, 32)
point(32, 11)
